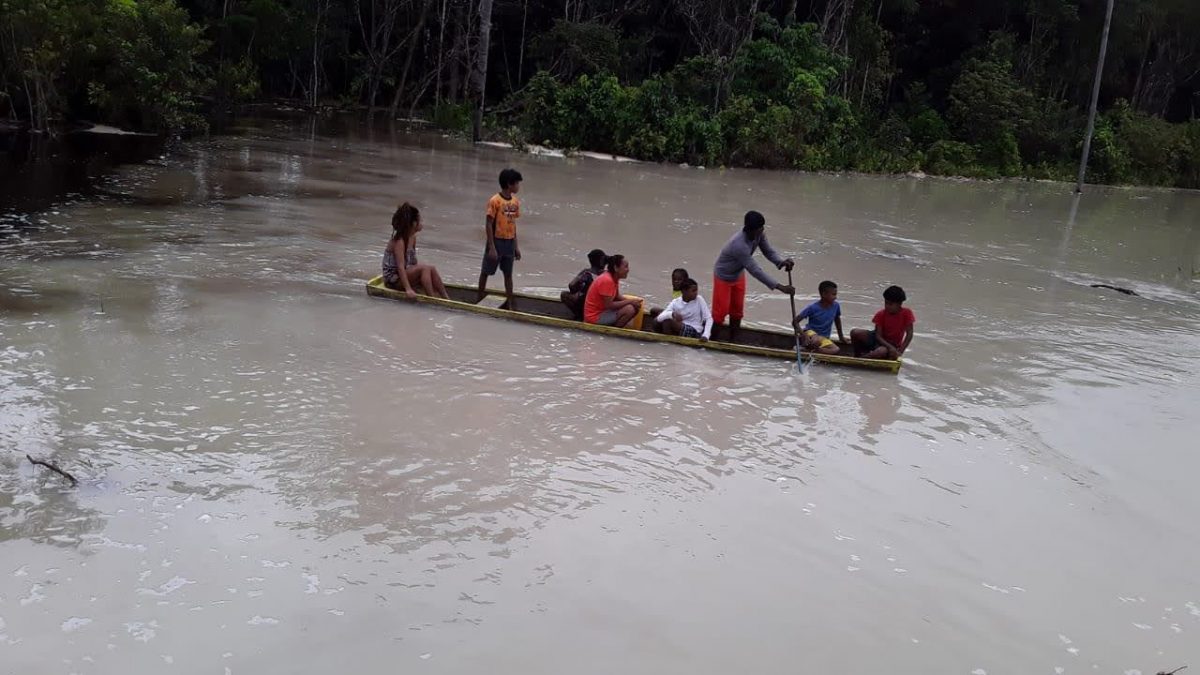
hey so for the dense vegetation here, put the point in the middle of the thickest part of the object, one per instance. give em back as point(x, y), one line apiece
point(973, 87)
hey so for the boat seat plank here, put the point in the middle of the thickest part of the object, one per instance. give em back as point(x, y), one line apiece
point(493, 301)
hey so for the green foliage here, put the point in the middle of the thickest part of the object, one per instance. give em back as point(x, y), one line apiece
point(452, 116)
point(126, 61)
point(1109, 160)
point(778, 112)
point(980, 89)
point(988, 106)
point(1141, 148)
point(952, 158)
point(573, 48)
point(146, 63)
point(1189, 158)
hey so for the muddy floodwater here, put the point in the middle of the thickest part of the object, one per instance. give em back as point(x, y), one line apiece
point(278, 474)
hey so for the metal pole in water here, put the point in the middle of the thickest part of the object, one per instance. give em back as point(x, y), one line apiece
point(1091, 123)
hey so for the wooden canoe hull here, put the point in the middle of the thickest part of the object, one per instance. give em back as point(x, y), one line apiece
point(545, 311)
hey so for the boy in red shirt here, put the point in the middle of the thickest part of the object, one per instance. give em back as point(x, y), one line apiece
point(893, 329)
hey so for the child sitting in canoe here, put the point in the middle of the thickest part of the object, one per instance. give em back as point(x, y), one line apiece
point(604, 304)
point(893, 329)
point(401, 271)
point(577, 290)
point(688, 315)
point(822, 316)
point(678, 277)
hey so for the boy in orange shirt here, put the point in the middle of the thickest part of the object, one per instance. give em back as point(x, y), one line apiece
point(503, 209)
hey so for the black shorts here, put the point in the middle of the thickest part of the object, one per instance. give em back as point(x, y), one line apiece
point(689, 332)
point(870, 342)
point(506, 251)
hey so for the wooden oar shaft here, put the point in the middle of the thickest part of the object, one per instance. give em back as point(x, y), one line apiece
point(792, 320)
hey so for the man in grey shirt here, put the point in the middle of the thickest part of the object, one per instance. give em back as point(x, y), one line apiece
point(729, 279)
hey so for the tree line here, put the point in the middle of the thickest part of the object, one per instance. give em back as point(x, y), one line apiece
point(968, 87)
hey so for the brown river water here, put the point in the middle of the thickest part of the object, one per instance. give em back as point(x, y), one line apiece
point(280, 474)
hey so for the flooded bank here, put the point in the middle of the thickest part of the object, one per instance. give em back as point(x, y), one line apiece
point(278, 473)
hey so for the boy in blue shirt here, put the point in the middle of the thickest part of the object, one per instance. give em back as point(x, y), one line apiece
point(822, 315)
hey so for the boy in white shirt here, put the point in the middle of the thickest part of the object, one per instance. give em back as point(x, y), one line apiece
point(688, 315)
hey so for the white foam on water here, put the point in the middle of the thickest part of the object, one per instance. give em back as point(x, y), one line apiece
point(142, 631)
point(75, 623)
point(172, 585)
point(35, 595)
point(314, 583)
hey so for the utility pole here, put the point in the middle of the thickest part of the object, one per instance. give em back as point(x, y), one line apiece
point(1091, 124)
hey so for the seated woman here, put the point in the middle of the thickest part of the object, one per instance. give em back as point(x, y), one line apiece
point(401, 270)
point(604, 304)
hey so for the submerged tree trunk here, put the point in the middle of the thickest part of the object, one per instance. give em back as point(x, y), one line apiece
point(481, 63)
point(437, 88)
point(318, 49)
point(521, 53)
point(408, 58)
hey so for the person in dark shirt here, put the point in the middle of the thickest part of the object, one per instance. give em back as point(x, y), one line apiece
point(577, 290)
point(737, 258)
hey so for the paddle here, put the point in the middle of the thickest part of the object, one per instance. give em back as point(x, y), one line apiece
point(795, 328)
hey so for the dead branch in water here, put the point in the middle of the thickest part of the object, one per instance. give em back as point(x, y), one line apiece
point(1126, 291)
point(1163, 672)
point(55, 469)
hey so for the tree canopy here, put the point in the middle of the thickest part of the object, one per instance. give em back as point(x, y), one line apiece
point(974, 87)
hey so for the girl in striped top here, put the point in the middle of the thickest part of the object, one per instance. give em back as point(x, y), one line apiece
point(401, 270)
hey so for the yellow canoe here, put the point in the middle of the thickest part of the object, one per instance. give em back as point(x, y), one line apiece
point(551, 312)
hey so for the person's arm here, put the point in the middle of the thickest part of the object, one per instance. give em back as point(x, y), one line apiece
point(669, 311)
point(804, 314)
point(837, 321)
point(769, 251)
point(622, 301)
point(758, 273)
point(708, 320)
point(880, 339)
point(908, 336)
point(516, 217)
point(614, 302)
point(489, 228)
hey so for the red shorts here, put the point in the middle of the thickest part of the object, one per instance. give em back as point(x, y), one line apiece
point(728, 298)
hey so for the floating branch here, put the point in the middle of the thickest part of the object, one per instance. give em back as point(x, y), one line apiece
point(55, 469)
point(1126, 291)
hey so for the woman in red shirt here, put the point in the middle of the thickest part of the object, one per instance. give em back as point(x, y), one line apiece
point(604, 304)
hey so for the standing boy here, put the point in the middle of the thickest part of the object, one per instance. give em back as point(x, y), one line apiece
point(822, 315)
point(502, 249)
point(893, 329)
